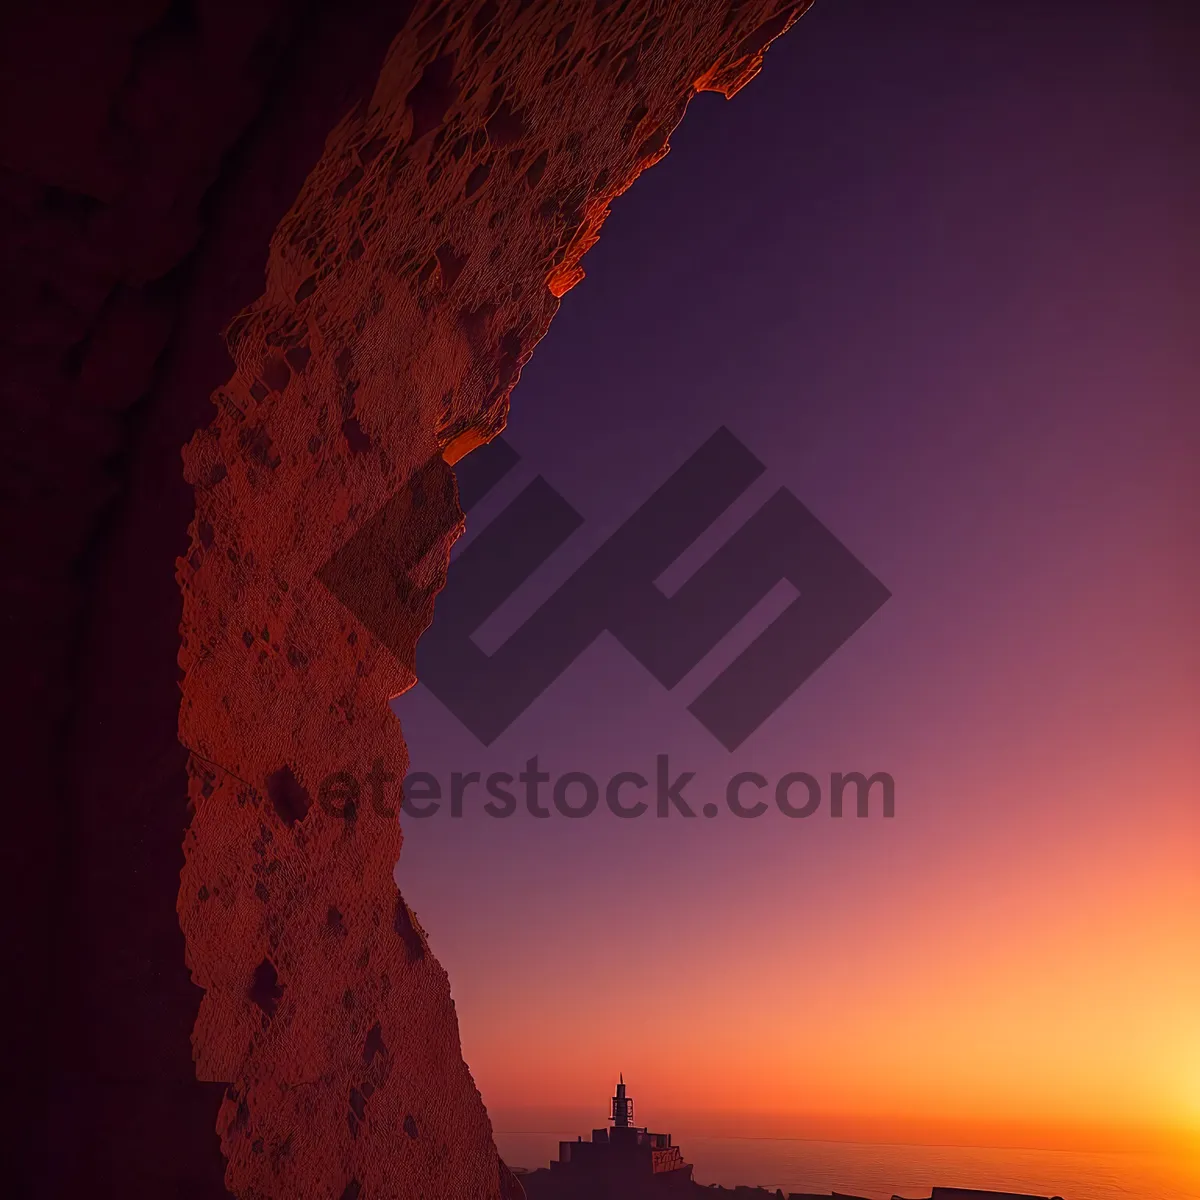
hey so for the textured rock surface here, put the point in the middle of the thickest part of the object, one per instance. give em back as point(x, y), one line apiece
point(148, 151)
point(150, 148)
point(421, 263)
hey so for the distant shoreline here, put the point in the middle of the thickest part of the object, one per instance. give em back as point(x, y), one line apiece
point(879, 1170)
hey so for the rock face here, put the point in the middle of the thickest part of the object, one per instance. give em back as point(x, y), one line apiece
point(423, 259)
point(148, 151)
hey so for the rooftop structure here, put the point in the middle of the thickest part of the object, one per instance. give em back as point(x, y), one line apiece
point(623, 1159)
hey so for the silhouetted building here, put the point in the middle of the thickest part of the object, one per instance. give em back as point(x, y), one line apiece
point(625, 1160)
point(628, 1162)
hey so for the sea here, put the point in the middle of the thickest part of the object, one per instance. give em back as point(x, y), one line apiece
point(880, 1172)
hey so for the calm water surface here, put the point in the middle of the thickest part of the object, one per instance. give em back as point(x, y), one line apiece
point(880, 1171)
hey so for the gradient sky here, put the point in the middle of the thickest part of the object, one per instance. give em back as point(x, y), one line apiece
point(938, 268)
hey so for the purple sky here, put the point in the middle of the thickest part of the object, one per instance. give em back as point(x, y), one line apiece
point(937, 268)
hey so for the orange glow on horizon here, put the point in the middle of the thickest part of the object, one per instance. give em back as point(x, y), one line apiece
point(1053, 1011)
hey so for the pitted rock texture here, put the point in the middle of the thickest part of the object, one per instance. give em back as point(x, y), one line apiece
point(424, 258)
point(148, 149)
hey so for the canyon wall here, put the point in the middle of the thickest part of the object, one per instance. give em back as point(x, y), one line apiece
point(427, 178)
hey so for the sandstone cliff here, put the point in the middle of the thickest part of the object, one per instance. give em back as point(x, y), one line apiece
point(422, 182)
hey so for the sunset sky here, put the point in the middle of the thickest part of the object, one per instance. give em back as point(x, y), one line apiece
point(938, 268)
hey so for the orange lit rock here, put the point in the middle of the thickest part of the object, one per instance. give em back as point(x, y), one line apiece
point(421, 263)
